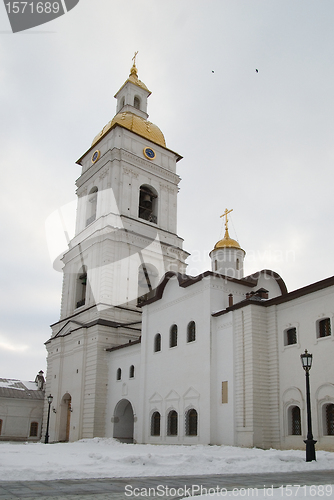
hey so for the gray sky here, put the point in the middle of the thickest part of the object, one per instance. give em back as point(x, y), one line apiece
point(260, 143)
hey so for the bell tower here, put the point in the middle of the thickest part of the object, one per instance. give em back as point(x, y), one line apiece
point(125, 241)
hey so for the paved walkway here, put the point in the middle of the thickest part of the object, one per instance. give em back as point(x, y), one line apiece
point(162, 488)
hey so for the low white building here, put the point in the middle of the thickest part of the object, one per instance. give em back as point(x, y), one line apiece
point(142, 352)
point(21, 409)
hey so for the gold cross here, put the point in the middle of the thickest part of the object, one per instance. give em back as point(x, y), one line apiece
point(134, 58)
point(225, 214)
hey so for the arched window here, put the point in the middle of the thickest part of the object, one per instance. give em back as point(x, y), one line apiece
point(81, 287)
point(155, 424)
point(118, 374)
point(237, 264)
point(136, 102)
point(148, 204)
point(91, 206)
point(329, 415)
point(172, 423)
point(173, 336)
point(122, 102)
point(157, 343)
point(132, 371)
point(0, 426)
point(191, 332)
point(191, 422)
point(33, 429)
point(295, 427)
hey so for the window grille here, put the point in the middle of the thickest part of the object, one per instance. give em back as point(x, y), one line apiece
point(191, 422)
point(155, 424)
point(296, 428)
point(324, 327)
point(172, 423)
point(330, 419)
point(33, 429)
point(291, 336)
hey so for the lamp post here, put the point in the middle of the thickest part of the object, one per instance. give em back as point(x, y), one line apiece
point(306, 360)
point(49, 398)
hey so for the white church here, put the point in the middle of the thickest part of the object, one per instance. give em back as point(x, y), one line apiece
point(145, 353)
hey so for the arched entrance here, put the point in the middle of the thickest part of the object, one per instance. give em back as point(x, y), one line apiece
point(123, 421)
point(65, 418)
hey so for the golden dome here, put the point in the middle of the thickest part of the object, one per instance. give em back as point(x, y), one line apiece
point(227, 242)
point(136, 124)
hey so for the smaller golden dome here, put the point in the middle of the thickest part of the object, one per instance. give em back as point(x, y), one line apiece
point(136, 124)
point(227, 242)
point(133, 78)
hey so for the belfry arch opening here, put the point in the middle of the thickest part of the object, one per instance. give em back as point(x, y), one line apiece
point(123, 421)
point(148, 204)
point(136, 102)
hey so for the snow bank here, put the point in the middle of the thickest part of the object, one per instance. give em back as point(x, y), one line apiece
point(105, 458)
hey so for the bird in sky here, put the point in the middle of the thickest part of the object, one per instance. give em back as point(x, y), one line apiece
point(257, 70)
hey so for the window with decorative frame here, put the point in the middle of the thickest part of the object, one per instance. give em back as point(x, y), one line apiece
point(172, 423)
point(329, 419)
point(155, 423)
point(191, 422)
point(295, 427)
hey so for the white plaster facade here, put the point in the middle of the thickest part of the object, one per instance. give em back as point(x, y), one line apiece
point(232, 374)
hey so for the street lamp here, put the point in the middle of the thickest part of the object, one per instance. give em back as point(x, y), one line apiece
point(306, 359)
point(49, 398)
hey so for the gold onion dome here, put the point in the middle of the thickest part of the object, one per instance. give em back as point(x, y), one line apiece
point(133, 78)
point(227, 242)
point(136, 124)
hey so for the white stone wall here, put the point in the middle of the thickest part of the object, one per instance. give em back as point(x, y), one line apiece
point(17, 415)
point(304, 313)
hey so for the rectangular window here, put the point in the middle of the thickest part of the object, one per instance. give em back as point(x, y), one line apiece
point(324, 328)
point(224, 392)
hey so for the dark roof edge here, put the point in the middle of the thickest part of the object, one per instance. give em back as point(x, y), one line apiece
point(186, 280)
point(100, 321)
point(295, 294)
point(122, 346)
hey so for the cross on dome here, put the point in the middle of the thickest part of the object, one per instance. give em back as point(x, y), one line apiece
point(225, 214)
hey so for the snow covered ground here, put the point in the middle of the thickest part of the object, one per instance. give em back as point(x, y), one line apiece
point(104, 458)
